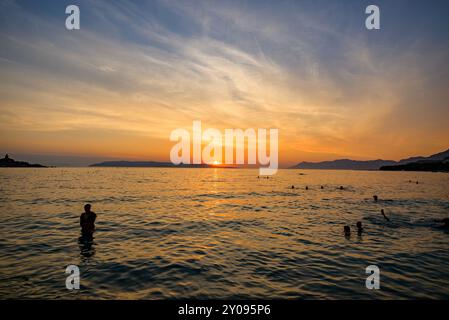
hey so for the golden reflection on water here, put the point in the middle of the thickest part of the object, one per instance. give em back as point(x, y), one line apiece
point(222, 233)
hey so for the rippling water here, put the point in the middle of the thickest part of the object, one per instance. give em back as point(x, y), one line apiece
point(221, 233)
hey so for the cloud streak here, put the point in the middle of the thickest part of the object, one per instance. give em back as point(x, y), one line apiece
point(137, 70)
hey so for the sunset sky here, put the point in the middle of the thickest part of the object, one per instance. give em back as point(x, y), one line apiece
point(136, 70)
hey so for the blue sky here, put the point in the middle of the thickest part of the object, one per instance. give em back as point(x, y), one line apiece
point(138, 69)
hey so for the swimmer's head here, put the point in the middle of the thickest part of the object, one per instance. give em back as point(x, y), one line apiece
point(347, 229)
point(359, 225)
point(87, 207)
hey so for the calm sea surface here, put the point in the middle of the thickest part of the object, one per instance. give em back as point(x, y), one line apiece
point(222, 233)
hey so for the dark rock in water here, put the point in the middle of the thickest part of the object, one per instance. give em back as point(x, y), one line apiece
point(7, 162)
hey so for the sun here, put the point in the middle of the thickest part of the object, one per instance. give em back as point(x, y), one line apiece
point(216, 163)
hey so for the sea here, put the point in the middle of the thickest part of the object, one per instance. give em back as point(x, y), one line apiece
point(216, 233)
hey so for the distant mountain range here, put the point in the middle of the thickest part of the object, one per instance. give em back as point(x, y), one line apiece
point(7, 162)
point(347, 164)
point(146, 164)
point(421, 165)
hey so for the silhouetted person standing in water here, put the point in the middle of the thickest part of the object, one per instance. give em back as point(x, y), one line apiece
point(87, 220)
point(375, 198)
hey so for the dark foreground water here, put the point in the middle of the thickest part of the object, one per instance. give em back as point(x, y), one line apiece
point(221, 233)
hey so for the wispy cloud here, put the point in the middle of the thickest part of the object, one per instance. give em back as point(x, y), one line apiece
point(141, 69)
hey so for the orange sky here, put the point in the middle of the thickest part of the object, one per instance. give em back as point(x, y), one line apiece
point(119, 86)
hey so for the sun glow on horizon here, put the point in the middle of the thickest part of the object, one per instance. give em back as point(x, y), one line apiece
point(329, 85)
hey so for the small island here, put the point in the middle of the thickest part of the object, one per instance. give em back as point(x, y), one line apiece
point(145, 164)
point(7, 162)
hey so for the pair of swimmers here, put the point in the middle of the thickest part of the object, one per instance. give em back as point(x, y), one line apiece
point(347, 229)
